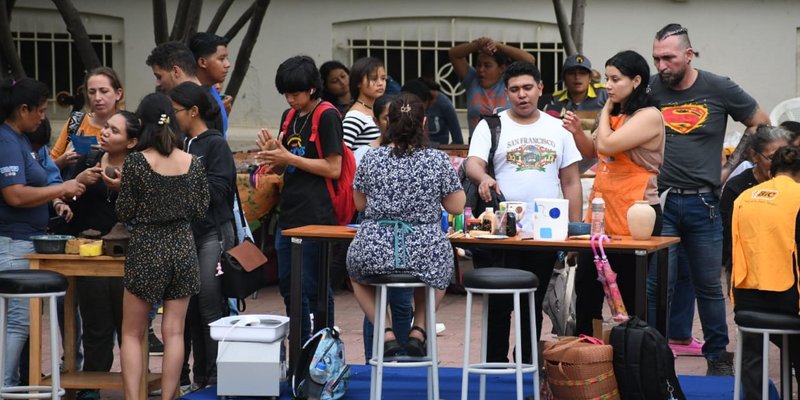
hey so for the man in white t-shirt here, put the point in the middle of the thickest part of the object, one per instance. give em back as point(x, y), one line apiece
point(535, 158)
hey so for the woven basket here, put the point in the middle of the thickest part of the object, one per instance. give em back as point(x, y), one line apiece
point(580, 368)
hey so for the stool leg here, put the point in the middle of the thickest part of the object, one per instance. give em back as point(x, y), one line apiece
point(3, 327)
point(737, 381)
point(518, 344)
point(467, 331)
point(433, 349)
point(379, 325)
point(55, 377)
point(786, 382)
point(765, 367)
point(373, 361)
point(534, 345)
point(484, 342)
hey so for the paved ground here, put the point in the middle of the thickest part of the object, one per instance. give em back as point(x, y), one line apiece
point(451, 313)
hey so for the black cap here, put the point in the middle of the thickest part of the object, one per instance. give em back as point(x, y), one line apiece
point(577, 61)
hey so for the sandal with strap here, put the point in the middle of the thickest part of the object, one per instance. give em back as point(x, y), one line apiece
point(416, 347)
point(392, 347)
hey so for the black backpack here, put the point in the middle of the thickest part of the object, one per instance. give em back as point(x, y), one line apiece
point(643, 363)
point(471, 188)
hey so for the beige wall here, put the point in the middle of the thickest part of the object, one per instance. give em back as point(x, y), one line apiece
point(753, 42)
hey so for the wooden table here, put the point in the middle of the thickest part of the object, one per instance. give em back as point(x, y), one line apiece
point(336, 233)
point(73, 266)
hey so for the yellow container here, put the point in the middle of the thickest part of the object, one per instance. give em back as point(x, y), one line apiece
point(94, 248)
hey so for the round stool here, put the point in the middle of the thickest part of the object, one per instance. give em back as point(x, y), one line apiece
point(382, 284)
point(488, 281)
point(766, 324)
point(21, 284)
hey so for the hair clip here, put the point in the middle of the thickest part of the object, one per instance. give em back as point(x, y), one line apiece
point(405, 108)
point(164, 119)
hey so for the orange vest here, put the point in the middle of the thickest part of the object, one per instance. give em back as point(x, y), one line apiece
point(620, 182)
point(763, 233)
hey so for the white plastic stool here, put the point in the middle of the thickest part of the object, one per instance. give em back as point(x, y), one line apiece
point(766, 324)
point(26, 284)
point(488, 281)
point(382, 284)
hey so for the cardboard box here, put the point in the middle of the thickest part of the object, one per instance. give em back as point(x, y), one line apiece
point(602, 330)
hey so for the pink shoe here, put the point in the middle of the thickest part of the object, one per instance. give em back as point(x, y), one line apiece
point(694, 348)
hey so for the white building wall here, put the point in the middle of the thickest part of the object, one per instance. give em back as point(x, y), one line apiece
point(753, 42)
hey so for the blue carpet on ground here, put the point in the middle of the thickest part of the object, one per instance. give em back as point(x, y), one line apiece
point(411, 383)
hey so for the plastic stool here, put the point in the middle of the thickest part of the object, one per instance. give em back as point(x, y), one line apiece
point(382, 284)
point(488, 281)
point(31, 284)
point(766, 324)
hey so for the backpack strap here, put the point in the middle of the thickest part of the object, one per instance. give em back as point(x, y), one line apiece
point(494, 129)
point(634, 336)
point(74, 123)
point(316, 115)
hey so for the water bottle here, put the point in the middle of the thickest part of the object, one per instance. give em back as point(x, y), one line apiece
point(598, 216)
point(445, 224)
point(319, 373)
point(467, 217)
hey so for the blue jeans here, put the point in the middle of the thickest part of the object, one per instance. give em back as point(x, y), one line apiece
point(681, 313)
point(399, 300)
point(311, 252)
point(689, 216)
point(12, 256)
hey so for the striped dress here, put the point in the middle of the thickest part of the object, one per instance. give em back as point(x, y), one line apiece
point(359, 129)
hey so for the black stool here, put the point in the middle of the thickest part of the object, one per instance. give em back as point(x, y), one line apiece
point(488, 281)
point(382, 284)
point(30, 284)
point(766, 324)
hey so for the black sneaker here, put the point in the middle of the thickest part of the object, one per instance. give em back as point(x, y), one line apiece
point(156, 347)
point(723, 365)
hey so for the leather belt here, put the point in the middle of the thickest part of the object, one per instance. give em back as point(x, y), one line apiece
point(700, 190)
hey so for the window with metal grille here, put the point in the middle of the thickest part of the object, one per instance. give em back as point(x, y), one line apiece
point(53, 59)
point(409, 59)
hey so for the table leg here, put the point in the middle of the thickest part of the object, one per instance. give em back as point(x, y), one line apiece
point(662, 322)
point(70, 327)
point(640, 307)
point(322, 312)
point(35, 318)
point(296, 305)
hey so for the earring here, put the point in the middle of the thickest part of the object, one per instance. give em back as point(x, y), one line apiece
point(312, 91)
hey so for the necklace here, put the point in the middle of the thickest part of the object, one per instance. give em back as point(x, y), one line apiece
point(364, 104)
point(305, 120)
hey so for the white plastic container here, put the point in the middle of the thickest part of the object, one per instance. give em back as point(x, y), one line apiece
point(550, 219)
point(262, 328)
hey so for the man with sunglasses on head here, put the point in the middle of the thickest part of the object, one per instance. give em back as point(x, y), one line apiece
point(695, 105)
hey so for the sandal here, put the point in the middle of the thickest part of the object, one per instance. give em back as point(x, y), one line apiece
point(416, 347)
point(392, 347)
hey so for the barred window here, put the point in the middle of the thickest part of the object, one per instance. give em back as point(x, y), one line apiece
point(53, 59)
point(406, 60)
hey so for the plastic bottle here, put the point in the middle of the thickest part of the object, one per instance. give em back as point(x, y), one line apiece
point(470, 222)
point(488, 220)
point(319, 373)
point(500, 218)
point(598, 215)
point(458, 223)
point(445, 224)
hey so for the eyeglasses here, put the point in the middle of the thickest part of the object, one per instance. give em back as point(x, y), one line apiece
point(768, 158)
point(177, 110)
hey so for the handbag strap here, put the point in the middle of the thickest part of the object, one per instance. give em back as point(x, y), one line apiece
point(494, 129)
point(233, 222)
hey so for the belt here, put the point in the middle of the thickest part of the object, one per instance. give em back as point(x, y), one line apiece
point(700, 190)
point(401, 229)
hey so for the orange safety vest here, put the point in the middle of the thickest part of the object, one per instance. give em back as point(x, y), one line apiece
point(620, 182)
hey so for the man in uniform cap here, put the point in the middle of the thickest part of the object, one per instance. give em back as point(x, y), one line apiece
point(580, 93)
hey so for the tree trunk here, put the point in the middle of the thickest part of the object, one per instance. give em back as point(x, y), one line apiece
point(576, 28)
point(246, 49)
point(187, 18)
point(179, 23)
point(9, 59)
point(237, 26)
point(219, 16)
point(563, 27)
point(160, 24)
point(72, 18)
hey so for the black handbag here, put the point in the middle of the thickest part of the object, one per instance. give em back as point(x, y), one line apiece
point(474, 200)
point(242, 273)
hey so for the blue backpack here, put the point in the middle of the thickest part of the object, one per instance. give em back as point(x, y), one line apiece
point(322, 372)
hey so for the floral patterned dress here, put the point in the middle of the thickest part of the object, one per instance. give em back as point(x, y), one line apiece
point(161, 263)
point(401, 232)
